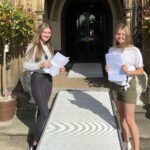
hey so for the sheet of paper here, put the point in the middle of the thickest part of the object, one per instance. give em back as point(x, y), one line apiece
point(54, 70)
point(115, 72)
point(58, 61)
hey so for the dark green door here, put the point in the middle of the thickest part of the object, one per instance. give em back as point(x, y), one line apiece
point(86, 32)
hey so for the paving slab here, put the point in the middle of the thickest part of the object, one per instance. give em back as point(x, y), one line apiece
point(13, 134)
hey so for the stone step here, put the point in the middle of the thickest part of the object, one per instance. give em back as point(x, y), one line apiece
point(145, 144)
point(20, 126)
point(28, 111)
point(19, 142)
point(23, 102)
point(15, 132)
point(15, 142)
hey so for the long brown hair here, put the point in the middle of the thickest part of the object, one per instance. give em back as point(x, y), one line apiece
point(129, 39)
point(36, 43)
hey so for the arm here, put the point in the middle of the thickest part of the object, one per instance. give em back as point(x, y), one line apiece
point(138, 65)
point(106, 68)
point(31, 65)
point(138, 71)
point(62, 69)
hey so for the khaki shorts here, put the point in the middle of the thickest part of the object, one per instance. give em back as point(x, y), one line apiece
point(119, 93)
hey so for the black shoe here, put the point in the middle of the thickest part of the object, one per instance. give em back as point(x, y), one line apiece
point(32, 147)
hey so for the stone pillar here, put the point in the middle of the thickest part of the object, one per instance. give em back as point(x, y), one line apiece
point(146, 56)
point(40, 11)
point(128, 12)
point(40, 14)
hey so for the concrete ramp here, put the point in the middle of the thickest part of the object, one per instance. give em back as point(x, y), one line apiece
point(81, 120)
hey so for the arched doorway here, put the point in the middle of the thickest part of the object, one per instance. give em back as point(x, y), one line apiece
point(88, 27)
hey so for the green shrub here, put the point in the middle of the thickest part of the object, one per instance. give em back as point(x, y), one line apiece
point(146, 20)
point(16, 24)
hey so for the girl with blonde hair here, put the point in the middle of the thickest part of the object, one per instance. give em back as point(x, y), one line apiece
point(124, 92)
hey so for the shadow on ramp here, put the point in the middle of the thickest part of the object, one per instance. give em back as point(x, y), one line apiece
point(81, 120)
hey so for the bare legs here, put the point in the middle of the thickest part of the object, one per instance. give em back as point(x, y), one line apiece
point(127, 122)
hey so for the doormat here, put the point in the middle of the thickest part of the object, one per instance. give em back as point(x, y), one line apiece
point(81, 120)
point(83, 70)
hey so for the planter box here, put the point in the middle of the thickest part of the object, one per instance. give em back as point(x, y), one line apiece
point(7, 110)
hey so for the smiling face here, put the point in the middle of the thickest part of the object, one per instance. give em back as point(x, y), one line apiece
point(121, 37)
point(45, 35)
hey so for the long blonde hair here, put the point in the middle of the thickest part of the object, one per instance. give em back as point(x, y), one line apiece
point(37, 43)
point(129, 39)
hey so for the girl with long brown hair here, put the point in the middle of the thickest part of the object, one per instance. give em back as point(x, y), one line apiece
point(37, 57)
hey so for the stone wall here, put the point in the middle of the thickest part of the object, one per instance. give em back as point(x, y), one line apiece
point(13, 72)
point(146, 53)
point(16, 68)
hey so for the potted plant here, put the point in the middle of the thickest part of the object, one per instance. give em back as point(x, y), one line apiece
point(16, 26)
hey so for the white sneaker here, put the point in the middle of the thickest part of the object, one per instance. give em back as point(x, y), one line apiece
point(127, 145)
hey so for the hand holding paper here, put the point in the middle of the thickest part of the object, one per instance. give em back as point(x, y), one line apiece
point(58, 61)
point(115, 72)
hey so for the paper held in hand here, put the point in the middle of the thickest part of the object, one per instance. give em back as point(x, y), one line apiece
point(58, 61)
point(115, 73)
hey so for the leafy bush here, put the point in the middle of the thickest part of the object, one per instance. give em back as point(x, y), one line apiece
point(16, 24)
point(146, 20)
point(16, 27)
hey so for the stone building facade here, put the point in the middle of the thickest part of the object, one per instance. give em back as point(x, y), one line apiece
point(83, 29)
